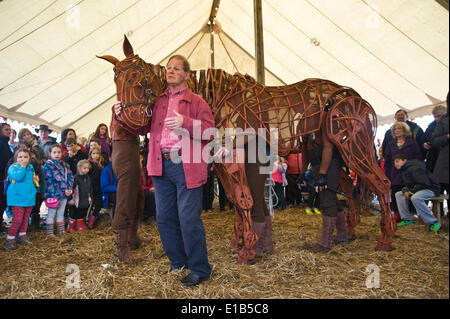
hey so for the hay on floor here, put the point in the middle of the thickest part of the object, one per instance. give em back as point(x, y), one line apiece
point(417, 268)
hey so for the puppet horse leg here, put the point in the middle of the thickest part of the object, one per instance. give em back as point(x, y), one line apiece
point(388, 226)
point(234, 181)
point(352, 218)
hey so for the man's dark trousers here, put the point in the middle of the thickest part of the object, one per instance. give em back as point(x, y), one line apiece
point(180, 227)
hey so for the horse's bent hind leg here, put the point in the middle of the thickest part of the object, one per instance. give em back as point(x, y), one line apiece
point(234, 181)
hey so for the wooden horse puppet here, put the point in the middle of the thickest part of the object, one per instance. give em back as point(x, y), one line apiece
point(302, 109)
point(338, 115)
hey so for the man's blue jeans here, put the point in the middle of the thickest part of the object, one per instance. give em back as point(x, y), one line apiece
point(418, 200)
point(180, 227)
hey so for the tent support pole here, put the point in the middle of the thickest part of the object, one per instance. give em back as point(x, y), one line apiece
point(259, 42)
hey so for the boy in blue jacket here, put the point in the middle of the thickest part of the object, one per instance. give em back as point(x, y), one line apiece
point(108, 184)
point(419, 187)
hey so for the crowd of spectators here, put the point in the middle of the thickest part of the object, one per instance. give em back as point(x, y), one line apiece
point(404, 140)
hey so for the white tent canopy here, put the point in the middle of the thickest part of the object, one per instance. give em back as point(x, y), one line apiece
point(394, 53)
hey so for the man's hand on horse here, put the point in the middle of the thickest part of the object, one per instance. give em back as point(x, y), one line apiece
point(222, 152)
point(321, 183)
point(117, 108)
point(174, 122)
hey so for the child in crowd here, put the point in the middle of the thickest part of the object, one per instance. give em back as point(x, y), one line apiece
point(74, 154)
point(97, 164)
point(21, 197)
point(59, 184)
point(419, 187)
point(94, 142)
point(313, 202)
point(81, 199)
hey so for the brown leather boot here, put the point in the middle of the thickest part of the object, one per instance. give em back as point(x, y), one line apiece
point(268, 243)
point(341, 227)
point(325, 241)
point(134, 241)
point(123, 252)
point(259, 230)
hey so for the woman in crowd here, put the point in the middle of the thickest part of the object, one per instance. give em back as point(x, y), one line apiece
point(5, 156)
point(25, 135)
point(12, 139)
point(440, 140)
point(101, 133)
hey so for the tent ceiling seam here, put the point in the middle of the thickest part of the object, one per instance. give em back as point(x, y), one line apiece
point(196, 45)
point(74, 43)
point(168, 26)
point(93, 59)
point(245, 51)
point(109, 71)
point(365, 48)
point(278, 39)
point(404, 34)
point(28, 21)
point(270, 55)
point(335, 58)
point(228, 53)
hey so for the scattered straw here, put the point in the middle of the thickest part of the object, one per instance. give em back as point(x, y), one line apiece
point(417, 268)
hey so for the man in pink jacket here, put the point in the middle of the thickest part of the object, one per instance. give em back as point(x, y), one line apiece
point(178, 181)
point(178, 171)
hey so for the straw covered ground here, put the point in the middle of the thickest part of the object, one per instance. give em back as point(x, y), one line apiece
point(417, 268)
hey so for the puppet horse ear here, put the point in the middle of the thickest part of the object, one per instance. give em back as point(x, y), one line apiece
point(127, 48)
point(109, 58)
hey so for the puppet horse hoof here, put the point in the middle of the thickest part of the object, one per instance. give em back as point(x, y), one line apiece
point(384, 243)
point(235, 244)
point(246, 256)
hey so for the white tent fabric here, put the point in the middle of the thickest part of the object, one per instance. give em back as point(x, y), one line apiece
point(394, 53)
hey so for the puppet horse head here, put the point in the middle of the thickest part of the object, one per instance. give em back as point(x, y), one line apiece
point(137, 86)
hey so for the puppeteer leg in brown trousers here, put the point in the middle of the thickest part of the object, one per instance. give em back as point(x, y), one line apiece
point(129, 198)
point(261, 219)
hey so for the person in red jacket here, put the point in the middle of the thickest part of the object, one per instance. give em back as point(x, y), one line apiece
point(293, 193)
point(149, 193)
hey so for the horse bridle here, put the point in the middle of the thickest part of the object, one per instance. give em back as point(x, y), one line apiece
point(147, 90)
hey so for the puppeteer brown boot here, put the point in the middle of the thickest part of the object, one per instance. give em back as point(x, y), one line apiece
point(123, 252)
point(134, 241)
point(341, 230)
point(325, 241)
point(259, 230)
point(268, 243)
